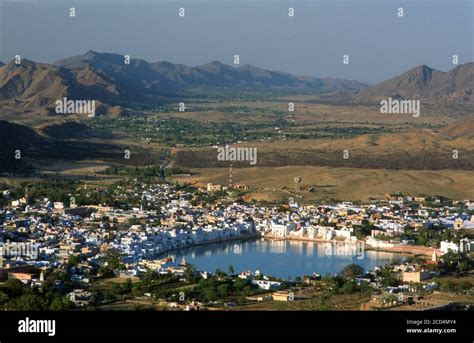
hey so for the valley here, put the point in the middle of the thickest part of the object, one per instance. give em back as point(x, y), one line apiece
point(329, 132)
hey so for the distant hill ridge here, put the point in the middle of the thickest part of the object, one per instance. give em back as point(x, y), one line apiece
point(105, 77)
point(214, 74)
point(423, 82)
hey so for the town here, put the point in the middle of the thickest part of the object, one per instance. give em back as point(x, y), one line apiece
point(114, 247)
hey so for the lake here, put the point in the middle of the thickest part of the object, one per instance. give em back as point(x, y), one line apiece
point(282, 259)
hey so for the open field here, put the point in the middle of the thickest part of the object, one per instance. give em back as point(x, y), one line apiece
point(339, 183)
point(417, 150)
point(387, 153)
point(306, 111)
point(311, 300)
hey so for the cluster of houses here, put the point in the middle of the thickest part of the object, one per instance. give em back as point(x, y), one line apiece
point(387, 223)
point(167, 219)
point(54, 232)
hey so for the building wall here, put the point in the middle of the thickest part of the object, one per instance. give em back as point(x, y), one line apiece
point(415, 276)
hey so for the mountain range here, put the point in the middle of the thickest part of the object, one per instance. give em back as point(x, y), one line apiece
point(426, 83)
point(166, 77)
point(33, 87)
point(106, 78)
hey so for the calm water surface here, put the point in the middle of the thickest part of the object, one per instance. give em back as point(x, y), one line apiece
point(282, 258)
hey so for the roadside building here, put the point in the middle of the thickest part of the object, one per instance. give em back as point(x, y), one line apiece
point(416, 276)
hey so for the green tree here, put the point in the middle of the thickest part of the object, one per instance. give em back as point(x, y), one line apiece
point(189, 272)
point(448, 286)
point(3, 297)
point(224, 290)
point(60, 304)
point(73, 260)
point(27, 302)
point(465, 285)
point(210, 295)
point(14, 288)
point(388, 277)
point(239, 284)
point(423, 238)
point(351, 271)
point(463, 267)
point(348, 288)
point(220, 274)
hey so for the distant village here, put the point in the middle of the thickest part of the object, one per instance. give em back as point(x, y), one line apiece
point(42, 235)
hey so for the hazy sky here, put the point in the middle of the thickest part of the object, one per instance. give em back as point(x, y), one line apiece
point(379, 44)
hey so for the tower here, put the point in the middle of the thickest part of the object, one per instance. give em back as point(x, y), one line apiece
point(297, 180)
point(26, 192)
point(434, 257)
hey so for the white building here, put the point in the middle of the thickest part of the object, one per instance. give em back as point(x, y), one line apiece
point(58, 205)
point(464, 246)
point(312, 232)
point(6, 194)
point(326, 232)
point(266, 285)
point(281, 230)
point(343, 233)
point(376, 243)
point(446, 246)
